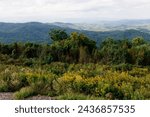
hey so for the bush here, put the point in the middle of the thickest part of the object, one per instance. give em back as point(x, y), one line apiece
point(58, 68)
point(122, 67)
point(76, 96)
point(139, 72)
point(28, 62)
point(12, 80)
point(24, 93)
point(42, 83)
point(92, 80)
point(3, 86)
point(109, 91)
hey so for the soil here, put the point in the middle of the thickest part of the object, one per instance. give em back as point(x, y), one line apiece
point(6, 96)
point(9, 96)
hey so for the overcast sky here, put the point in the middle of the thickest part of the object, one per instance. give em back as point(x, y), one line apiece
point(72, 10)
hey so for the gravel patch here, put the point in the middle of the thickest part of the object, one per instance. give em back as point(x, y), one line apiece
point(9, 96)
point(6, 96)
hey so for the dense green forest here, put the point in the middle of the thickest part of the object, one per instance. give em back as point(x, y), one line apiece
point(75, 67)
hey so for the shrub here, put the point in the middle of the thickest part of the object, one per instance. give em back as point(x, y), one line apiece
point(3, 86)
point(28, 62)
point(122, 67)
point(139, 72)
point(13, 80)
point(24, 93)
point(92, 80)
point(109, 91)
point(41, 83)
point(76, 96)
point(58, 68)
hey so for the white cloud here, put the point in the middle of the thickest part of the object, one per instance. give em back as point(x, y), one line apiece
point(74, 10)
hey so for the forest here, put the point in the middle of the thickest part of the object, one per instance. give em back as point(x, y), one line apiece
point(75, 67)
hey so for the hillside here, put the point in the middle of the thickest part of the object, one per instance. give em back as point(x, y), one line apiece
point(23, 32)
point(38, 32)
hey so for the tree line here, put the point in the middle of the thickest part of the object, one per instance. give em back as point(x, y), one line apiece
point(77, 48)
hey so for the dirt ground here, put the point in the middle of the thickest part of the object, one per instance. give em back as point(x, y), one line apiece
point(9, 96)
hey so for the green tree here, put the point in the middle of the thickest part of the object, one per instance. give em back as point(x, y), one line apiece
point(83, 55)
point(57, 35)
point(138, 41)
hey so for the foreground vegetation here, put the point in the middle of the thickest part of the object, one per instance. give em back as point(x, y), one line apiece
point(74, 67)
point(76, 81)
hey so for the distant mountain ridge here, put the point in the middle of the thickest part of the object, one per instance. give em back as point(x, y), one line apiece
point(23, 32)
point(108, 25)
point(38, 32)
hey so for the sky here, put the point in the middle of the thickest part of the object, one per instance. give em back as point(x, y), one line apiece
point(72, 10)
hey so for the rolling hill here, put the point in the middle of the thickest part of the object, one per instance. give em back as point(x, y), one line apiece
point(108, 25)
point(38, 32)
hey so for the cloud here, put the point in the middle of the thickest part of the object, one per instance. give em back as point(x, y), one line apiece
point(75, 10)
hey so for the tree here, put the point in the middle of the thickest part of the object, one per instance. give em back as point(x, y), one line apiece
point(16, 52)
point(83, 55)
point(138, 41)
point(57, 35)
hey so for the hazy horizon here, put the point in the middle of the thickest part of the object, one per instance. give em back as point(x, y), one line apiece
point(94, 22)
point(73, 11)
